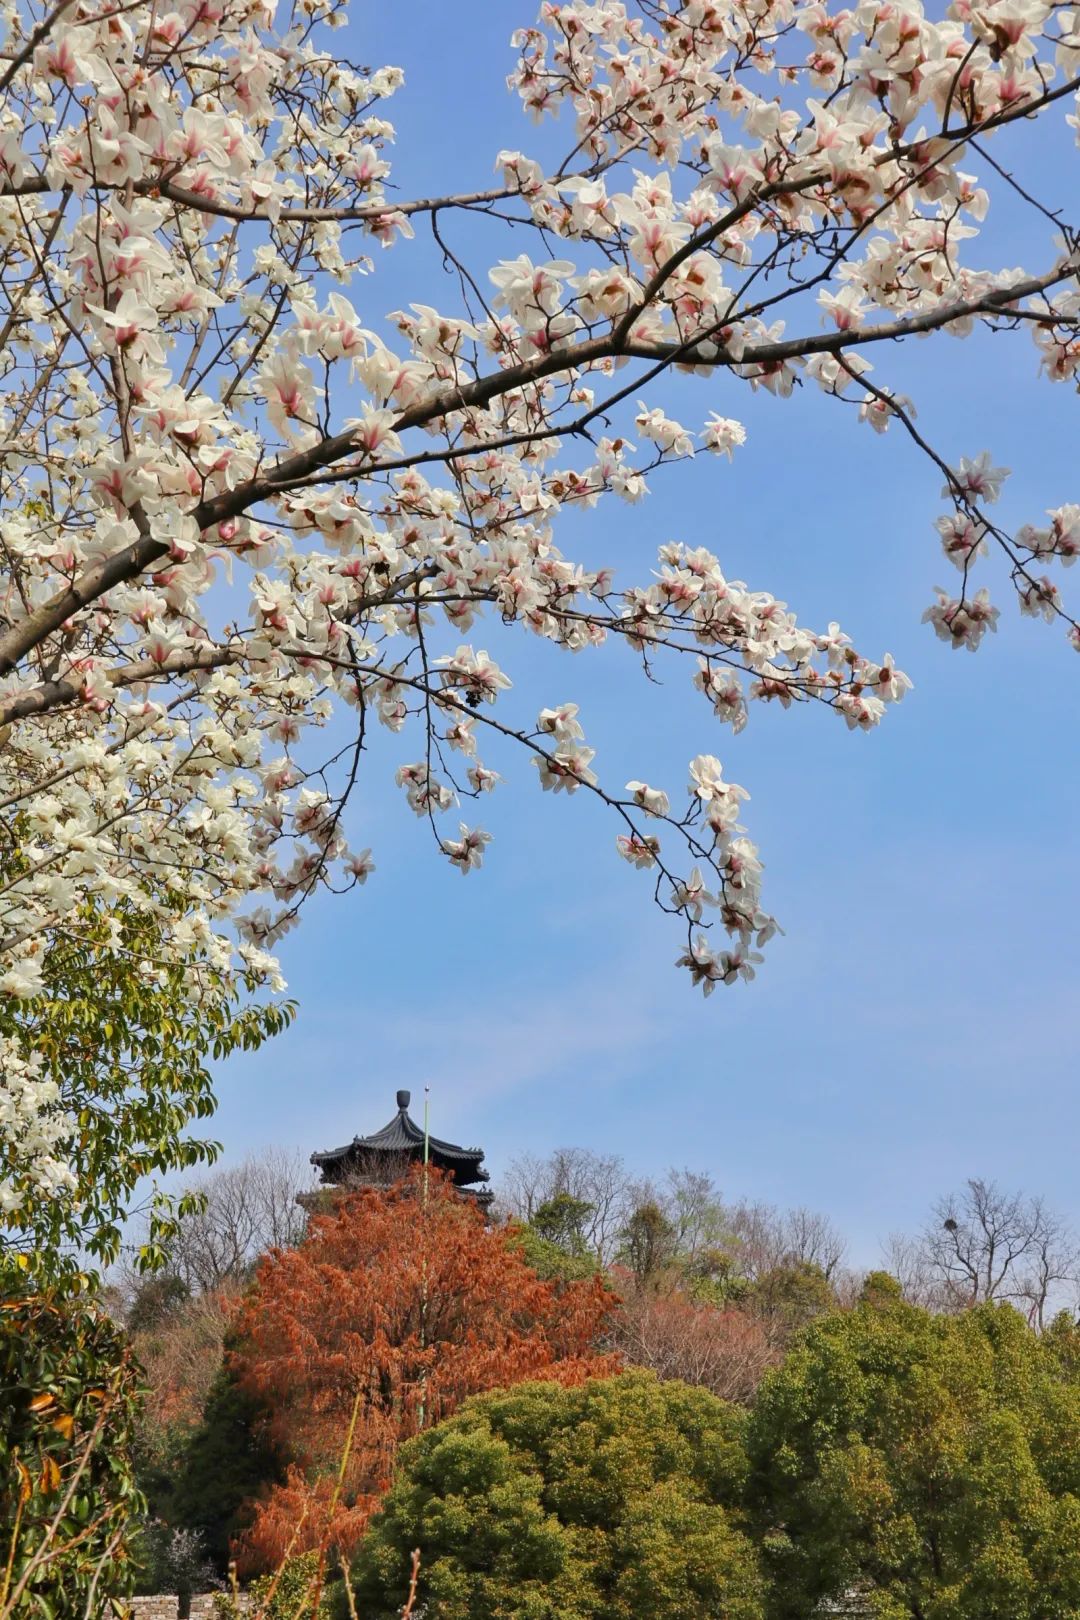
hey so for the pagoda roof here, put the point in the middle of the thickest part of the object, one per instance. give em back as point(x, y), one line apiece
point(403, 1135)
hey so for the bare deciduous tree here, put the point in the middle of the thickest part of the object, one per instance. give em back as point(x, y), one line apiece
point(599, 1180)
point(813, 1240)
point(374, 1167)
point(180, 1357)
point(249, 1207)
point(906, 1259)
point(726, 1351)
point(1050, 1274)
point(768, 1238)
point(697, 1212)
point(982, 1244)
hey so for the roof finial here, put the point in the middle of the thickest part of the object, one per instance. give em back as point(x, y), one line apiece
point(403, 1098)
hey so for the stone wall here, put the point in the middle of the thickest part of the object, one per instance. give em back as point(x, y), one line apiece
point(166, 1607)
point(154, 1608)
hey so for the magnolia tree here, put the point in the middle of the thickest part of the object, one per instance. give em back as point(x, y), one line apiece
point(233, 504)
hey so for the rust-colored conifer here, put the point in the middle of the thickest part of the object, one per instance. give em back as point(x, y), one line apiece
point(402, 1301)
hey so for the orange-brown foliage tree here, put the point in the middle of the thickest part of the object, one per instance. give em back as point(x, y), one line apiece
point(399, 1304)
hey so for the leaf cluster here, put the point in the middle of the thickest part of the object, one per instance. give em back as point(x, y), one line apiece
point(68, 1410)
point(126, 1030)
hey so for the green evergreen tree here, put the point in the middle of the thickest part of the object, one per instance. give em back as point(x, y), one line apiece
point(222, 1467)
point(615, 1500)
point(561, 1220)
point(789, 1296)
point(553, 1243)
point(649, 1243)
point(930, 1464)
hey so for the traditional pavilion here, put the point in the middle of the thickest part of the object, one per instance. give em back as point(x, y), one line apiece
point(386, 1155)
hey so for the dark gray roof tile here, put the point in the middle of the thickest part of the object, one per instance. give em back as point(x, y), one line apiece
point(403, 1135)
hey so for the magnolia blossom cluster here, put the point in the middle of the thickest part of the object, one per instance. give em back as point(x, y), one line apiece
point(252, 513)
point(35, 1131)
point(966, 536)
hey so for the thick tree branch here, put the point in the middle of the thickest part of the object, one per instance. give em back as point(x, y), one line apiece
point(40, 184)
point(133, 560)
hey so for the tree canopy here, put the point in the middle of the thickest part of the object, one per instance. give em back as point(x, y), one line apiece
point(398, 1304)
point(106, 1068)
point(615, 1500)
point(234, 505)
point(225, 1462)
point(931, 1463)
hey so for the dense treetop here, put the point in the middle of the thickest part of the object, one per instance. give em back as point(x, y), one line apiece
point(933, 1461)
point(615, 1499)
point(398, 1305)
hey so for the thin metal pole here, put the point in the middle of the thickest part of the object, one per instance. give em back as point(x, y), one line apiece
point(422, 1413)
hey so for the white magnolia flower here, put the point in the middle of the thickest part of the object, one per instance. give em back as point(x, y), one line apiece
point(652, 800)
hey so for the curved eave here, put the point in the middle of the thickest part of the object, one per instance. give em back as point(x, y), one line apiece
point(464, 1171)
point(402, 1135)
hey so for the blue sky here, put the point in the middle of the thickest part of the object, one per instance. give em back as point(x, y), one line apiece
point(917, 1023)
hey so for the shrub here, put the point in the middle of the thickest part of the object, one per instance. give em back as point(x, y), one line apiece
point(68, 1405)
point(296, 1591)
